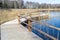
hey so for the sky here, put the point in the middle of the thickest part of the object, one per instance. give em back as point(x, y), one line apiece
point(45, 1)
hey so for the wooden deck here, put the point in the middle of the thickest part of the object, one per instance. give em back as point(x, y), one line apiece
point(13, 31)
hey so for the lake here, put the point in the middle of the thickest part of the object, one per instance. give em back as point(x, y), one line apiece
point(54, 20)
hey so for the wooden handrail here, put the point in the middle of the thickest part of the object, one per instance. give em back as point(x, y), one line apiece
point(44, 24)
point(41, 32)
point(49, 25)
point(45, 34)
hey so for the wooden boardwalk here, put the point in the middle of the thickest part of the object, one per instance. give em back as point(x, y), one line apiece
point(13, 31)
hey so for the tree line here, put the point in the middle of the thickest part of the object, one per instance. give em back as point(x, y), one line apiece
point(31, 5)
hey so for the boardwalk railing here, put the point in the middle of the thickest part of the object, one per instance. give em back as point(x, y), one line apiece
point(29, 18)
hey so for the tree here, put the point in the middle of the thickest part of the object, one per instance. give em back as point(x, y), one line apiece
point(5, 5)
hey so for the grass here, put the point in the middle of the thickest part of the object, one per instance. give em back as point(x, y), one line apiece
point(9, 14)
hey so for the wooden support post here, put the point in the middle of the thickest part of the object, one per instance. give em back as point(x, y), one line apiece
point(18, 19)
point(49, 10)
point(39, 18)
point(29, 25)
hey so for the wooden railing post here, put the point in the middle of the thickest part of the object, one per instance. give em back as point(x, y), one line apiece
point(29, 25)
point(39, 17)
point(18, 19)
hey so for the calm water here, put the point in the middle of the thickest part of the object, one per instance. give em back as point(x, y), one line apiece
point(54, 20)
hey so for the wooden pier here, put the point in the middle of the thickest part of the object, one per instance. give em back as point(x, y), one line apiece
point(39, 17)
point(13, 30)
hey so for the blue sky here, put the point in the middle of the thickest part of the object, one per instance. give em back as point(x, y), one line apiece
point(45, 1)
